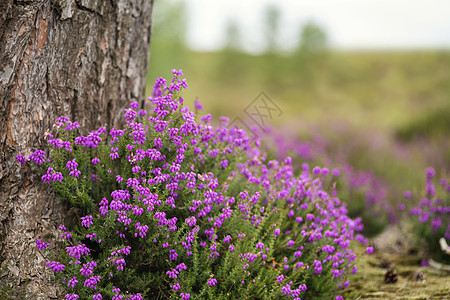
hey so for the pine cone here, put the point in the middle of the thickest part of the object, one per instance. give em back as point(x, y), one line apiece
point(390, 276)
point(419, 276)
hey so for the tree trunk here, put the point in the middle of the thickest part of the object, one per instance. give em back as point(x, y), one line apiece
point(85, 59)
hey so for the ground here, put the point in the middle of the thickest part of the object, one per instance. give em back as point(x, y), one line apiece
point(394, 249)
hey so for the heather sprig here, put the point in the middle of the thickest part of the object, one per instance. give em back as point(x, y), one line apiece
point(178, 208)
point(429, 213)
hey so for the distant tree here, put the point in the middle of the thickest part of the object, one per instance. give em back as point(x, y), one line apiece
point(272, 64)
point(272, 24)
point(310, 52)
point(232, 36)
point(231, 61)
point(169, 46)
point(313, 39)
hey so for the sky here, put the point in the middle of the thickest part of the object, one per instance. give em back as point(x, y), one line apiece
point(349, 24)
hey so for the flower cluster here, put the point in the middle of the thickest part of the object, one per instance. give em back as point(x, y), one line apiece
point(431, 216)
point(186, 210)
point(363, 191)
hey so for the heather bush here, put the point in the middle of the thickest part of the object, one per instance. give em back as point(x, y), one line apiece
point(430, 219)
point(174, 207)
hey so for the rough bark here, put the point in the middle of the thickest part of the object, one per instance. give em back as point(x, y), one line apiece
point(85, 59)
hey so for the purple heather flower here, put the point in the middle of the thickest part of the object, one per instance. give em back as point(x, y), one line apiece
point(95, 161)
point(224, 121)
point(316, 170)
point(280, 278)
point(191, 221)
point(206, 118)
point(41, 245)
point(61, 120)
point(158, 143)
point(38, 157)
point(97, 297)
point(277, 232)
point(120, 263)
point(212, 282)
point(288, 161)
point(92, 281)
point(176, 287)
point(227, 239)
point(86, 221)
point(55, 266)
point(72, 296)
point(21, 159)
point(369, 250)
point(335, 172)
point(134, 105)
point(430, 172)
point(87, 269)
point(185, 296)
point(72, 164)
point(91, 236)
point(224, 163)
point(198, 105)
point(172, 273)
point(173, 254)
point(77, 251)
point(75, 173)
point(176, 73)
point(317, 264)
point(435, 224)
point(72, 282)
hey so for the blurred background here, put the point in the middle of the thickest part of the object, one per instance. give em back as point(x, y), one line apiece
point(363, 86)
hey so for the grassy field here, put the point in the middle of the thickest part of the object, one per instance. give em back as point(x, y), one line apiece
point(380, 91)
point(394, 250)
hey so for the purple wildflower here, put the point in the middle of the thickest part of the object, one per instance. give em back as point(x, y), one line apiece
point(198, 105)
point(41, 245)
point(212, 282)
point(21, 159)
